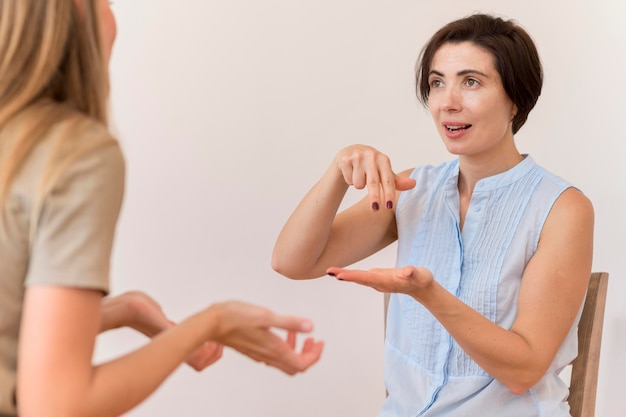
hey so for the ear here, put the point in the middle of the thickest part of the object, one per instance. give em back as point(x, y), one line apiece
point(513, 111)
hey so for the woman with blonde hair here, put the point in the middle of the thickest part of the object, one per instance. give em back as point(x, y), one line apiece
point(61, 187)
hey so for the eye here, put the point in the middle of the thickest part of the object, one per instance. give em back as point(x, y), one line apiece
point(436, 83)
point(471, 82)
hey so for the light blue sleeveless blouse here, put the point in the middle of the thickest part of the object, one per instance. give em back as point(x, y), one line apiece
point(426, 372)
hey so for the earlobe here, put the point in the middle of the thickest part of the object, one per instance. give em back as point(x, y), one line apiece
point(513, 112)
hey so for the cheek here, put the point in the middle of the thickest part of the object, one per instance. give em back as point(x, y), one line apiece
point(434, 101)
point(109, 29)
point(494, 107)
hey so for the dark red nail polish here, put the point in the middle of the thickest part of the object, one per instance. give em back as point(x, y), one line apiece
point(375, 206)
point(389, 205)
point(332, 274)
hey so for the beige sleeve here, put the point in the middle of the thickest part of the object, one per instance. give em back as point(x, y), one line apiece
point(76, 227)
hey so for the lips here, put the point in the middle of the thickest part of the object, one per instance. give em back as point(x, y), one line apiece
point(454, 128)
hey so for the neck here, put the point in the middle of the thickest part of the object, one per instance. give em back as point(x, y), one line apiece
point(473, 169)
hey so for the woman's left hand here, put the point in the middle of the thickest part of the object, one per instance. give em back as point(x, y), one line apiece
point(409, 280)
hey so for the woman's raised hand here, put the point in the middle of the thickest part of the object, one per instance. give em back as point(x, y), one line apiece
point(244, 327)
point(363, 166)
point(251, 331)
point(319, 233)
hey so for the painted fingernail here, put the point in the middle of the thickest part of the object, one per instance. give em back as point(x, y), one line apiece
point(332, 274)
point(375, 206)
point(389, 205)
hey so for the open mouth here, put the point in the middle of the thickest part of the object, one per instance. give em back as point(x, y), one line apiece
point(457, 128)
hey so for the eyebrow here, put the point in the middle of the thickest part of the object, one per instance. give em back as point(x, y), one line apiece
point(462, 72)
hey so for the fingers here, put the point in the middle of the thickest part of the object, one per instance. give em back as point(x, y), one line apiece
point(364, 166)
point(379, 178)
point(237, 316)
point(409, 280)
point(206, 355)
point(281, 355)
point(379, 281)
point(265, 346)
point(333, 271)
point(290, 323)
point(404, 183)
point(407, 272)
point(291, 340)
point(346, 274)
point(133, 309)
point(292, 362)
point(310, 354)
point(380, 183)
point(249, 330)
point(312, 350)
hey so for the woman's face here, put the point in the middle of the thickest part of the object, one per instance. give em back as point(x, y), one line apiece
point(472, 112)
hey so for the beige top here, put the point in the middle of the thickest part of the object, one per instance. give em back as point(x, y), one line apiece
point(72, 244)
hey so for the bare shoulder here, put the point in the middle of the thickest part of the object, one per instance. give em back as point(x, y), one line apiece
point(569, 226)
point(572, 207)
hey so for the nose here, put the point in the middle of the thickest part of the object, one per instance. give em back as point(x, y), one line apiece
point(451, 100)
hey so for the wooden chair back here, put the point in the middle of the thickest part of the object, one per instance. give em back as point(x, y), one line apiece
point(584, 379)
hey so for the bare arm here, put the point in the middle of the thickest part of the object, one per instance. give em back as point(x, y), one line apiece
point(315, 236)
point(551, 293)
point(138, 311)
point(56, 376)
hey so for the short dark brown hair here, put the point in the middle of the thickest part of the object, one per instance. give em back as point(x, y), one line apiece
point(515, 57)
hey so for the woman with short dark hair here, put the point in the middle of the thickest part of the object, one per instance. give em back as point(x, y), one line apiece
point(494, 252)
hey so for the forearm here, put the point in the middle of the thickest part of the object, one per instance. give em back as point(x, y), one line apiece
point(119, 385)
point(303, 239)
point(503, 354)
point(81, 389)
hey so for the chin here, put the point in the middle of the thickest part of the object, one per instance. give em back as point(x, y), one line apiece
point(456, 150)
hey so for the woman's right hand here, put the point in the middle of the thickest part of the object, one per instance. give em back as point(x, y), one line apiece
point(363, 166)
point(317, 236)
point(250, 329)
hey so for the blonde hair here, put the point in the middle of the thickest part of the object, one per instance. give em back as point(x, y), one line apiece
point(53, 82)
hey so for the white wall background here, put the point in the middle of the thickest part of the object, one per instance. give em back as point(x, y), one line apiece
point(229, 111)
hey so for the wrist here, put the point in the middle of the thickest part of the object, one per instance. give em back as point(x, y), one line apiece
point(428, 292)
point(334, 180)
point(145, 316)
point(208, 321)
